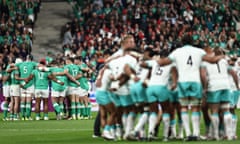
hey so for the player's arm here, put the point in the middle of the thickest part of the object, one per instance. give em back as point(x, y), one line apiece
point(164, 61)
point(203, 76)
point(53, 78)
point(78, 76)
point(235, 77)
point(130, 72)
point(59, 73)
point(70, 77)
point(26, 80)
point(212, 59)
point(11, 68)
point(5, 78)
point(99, 77)
point(144, 64)
point(174, 76)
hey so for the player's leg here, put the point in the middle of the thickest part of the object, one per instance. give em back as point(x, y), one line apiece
point(37, 106)
point(153, 110)
point(184, 115)
point(7, 101)
point(234, 101)
point(55, 103)
point(15, 92)
point(23, 103)
point(206, 117)
point(30, 92)
point(196, 116)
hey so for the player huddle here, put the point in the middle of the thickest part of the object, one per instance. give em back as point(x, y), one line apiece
point(26, 80)
point(187, 79)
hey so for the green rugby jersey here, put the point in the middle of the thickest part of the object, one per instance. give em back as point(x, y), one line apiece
point(84, 80)
point(73, 70)
point(41, 80)
point(57, 86)
point(25, 70)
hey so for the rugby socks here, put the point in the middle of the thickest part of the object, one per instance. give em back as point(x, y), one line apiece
point(234, 125)
point(78, 110)
point(5, 110)
point(89, 107)
point(28, 109)
point(180, 128)
point(113, 130)
point(82, 110)
point(141, 122)
point(56, 108)
point(215, 125)
point(185, 120)
point(173, 128)
point(227, 120)
point(118, 132)
point(22, 109)
point(61, 106)
point(166, 124)
point(45, 114)
point(73, 110)
point(124, 120)
point(196, 123)
point(130, 122)
point(152, 123)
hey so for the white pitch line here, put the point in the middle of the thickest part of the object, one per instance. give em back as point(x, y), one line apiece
point(48, 129)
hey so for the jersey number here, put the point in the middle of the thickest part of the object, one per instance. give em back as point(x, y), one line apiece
point(75, 72)
point(40, 75)
point(25, 69)
point(218, 67)
point(159, 71)
point(189, 61)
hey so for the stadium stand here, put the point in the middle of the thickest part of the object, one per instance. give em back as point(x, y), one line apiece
point(16, 28)
point(99, 25)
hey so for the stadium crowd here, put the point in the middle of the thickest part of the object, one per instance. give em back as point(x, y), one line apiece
point(16, 28)
point(99, 41)
point(99, 27)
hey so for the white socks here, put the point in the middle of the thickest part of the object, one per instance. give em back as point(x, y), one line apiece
point(129, 123)
point(152, 122)
point(227, 120)
point(141, 122)
point(185, 120)
point(215, 125)
point(196, 123)
point(166, 124)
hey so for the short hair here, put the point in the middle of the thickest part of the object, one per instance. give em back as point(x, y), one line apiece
point(71, 59)
point(187, 39)
point(218, 51)
point(125, 38)
point(151, 52)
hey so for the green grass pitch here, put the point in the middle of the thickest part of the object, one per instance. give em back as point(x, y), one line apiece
point(69, 132)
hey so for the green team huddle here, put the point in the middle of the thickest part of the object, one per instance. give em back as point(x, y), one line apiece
point(64, 81)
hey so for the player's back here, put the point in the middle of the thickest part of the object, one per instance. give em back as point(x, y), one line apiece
point(217, 75)
point(188, 60)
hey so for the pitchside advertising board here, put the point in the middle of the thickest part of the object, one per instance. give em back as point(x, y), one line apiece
point(50, 106)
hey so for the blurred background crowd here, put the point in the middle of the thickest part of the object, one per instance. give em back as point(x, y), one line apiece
point(99, 25)
point(17, 18)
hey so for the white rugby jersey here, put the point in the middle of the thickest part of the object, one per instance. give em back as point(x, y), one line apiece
point(117, 65)
point(159, 74)
point(188, 60)
point(141, 72)
point(105, 80)
point(217, 75)
point(117, 68)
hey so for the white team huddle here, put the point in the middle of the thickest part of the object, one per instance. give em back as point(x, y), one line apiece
point(188, 79)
